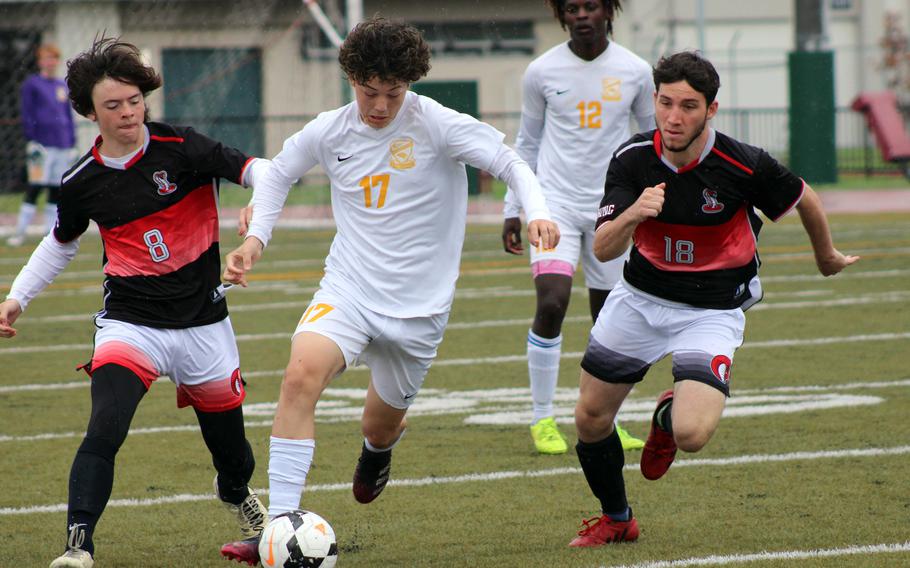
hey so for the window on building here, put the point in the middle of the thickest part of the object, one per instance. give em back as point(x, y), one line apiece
point(479, 38)
point(314, 45)
point(451, 38)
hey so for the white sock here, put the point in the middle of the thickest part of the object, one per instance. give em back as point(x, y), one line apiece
point(50, 217)
point(543, 370)
point(26, 214)
point(376, 450)
point(289, 464)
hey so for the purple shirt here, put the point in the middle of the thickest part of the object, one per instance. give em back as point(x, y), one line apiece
point(46, 114)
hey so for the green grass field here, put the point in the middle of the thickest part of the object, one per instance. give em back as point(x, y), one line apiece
point(807, 469)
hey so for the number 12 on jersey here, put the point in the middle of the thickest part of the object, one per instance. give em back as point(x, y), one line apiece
point(589, 114)
point(368, 183)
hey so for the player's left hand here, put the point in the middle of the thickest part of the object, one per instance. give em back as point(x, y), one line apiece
point(241, 260)
point(832, 263)
point(543, 233)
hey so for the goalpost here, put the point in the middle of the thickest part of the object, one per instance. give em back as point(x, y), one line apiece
point(353, 10)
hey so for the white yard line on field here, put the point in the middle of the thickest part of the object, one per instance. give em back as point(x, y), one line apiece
point(866, 299)
point(292, 286)
point(508, 405)
point(895, 296)
point(495, 476)
point(724, 559)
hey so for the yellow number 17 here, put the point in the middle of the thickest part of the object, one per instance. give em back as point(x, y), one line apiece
point(368, 183)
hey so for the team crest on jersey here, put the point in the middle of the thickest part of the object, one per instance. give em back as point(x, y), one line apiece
point(720, 366)
point(712, 205)
point(402, 154)
point(611, 89)
point(61, 95)
point(164, 186)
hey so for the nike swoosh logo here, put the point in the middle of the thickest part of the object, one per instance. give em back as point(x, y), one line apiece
point(270, 560)
point(563, 92)
point(341, 159)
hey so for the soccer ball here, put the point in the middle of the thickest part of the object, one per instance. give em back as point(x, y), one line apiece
point(299, 539)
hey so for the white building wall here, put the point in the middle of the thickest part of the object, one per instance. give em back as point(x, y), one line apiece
point(749, 47)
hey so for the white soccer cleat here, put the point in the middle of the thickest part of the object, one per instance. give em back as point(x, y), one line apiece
point(74, 558)
point(251, 513)
point(16, 241)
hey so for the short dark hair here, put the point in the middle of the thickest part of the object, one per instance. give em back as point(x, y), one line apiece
point(691, 67)
point(611, 7)
point(108, 58)
point(390, 51)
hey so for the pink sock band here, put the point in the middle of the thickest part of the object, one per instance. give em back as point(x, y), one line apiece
point(552, 267)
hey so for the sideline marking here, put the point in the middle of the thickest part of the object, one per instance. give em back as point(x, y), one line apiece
point(720, 560)
point(491, 476)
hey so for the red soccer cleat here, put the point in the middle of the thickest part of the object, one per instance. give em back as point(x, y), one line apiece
point(660, 448)
point(599, 531)
point(246, 550)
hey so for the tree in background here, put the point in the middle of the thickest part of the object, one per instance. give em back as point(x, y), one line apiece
point(896, 57)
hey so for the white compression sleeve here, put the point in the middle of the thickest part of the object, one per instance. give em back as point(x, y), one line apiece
point(510, 168)
point(49, 259)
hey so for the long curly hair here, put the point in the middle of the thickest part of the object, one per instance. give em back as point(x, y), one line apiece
point(387, 50)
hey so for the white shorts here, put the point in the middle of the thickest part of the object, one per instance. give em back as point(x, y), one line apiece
point(634, 330)
point(576, 241)
point(46, 164)
point(398, 351)
point(202, 361)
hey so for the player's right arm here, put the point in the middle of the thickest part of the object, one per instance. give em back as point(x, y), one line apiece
point(616, 219)
point(527, 146)
point(270, 190)
point(50, 258)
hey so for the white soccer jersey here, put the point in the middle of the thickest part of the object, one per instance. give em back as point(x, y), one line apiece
point(399, 197)
point(585, 108)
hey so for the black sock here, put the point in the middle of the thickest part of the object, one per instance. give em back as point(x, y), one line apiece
point(90, 484)
point(663, 416)
point(116, 392)
point(79, 531)
point(224, 435)
point(602, 464)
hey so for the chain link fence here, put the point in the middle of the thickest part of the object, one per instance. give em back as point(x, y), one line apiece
point(253, 73)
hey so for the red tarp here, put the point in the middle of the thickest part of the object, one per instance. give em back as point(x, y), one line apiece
point(886, 123)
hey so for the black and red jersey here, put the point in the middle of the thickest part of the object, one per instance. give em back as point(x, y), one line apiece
point(701, 249)
point(158, 218)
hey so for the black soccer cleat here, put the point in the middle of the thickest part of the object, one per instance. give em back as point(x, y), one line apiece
point(371, 474)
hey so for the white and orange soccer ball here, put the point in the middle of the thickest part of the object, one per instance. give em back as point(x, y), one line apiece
point(296, 540)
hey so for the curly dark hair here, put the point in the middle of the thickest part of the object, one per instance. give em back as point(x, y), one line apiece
point(611, 7)
point(107, 58)
point(691, 67)
point(390, 51)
